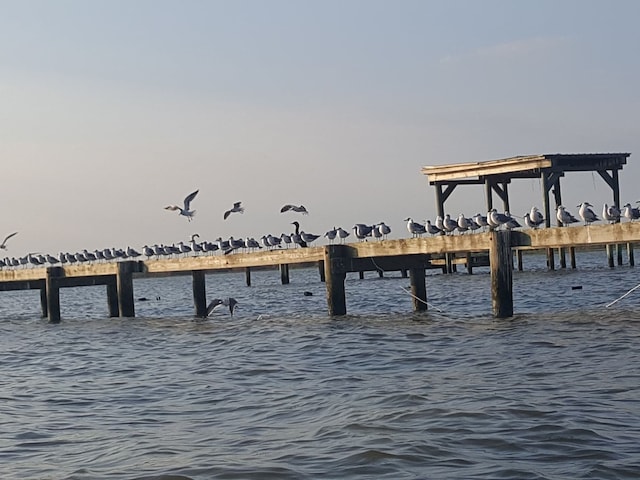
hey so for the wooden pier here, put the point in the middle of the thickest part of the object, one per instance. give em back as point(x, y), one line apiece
point(412, 255)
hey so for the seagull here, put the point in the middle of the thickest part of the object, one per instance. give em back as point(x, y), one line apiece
point(383, 229)
point(308, 237)
point(565, 217)
point(331, 234)
point(295, 237)
point(295, 208)
point(481, 220)
point(236, 209)
point(3, 245)
point(415, 229)
point(185, 210)
point(228, 302)
point(586, 214)
point(496, 219)
point(536, 217)
point(610, 214)
point(449, 224)
point(630, 212)
point(432, 229)
point(342, 234)
point(362, 231)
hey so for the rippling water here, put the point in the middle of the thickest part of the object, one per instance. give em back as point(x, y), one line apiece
point(282, 391)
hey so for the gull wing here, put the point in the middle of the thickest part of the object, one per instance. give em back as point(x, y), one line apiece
point(189, 198)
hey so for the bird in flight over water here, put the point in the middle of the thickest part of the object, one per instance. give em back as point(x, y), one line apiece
point(236, 208)
point(185, 209)
point(295, 208)
point(228, 302)
point(3, 245)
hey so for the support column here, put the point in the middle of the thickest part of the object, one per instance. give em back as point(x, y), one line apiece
point(361, 274)
point(43, 302)
point(247, 276)
point(469, 261)
point(417, 278)
point(321, 270)
point(125, 289)
point(610, 256)
point(199, 285)
point(572, 255)
point(335, 273)
point(284, 274)
point(112, 298)
point(562, 257)
point(52, 288)
point(519, 259)
point(501, 274)
point(619, 252)
point(632, 260)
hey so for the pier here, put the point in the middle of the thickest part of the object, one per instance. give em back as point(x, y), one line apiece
point(412, 255)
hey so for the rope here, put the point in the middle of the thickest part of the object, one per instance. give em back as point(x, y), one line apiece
point(620, 298)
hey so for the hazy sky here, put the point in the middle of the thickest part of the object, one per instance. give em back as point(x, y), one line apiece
point(111, 110)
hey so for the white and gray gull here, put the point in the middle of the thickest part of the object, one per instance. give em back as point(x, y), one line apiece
point(185, 209)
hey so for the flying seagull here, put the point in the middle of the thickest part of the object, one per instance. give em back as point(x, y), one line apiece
point(3, 245)
point(229, 302)
point(295, 208)
point(185, 210)
point(236, 208)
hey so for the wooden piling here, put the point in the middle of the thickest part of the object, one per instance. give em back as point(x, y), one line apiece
point(551, 261)
point(519, 259)
point(198, 282)
point(632, 261)
point(112, 298)
point(124, 283)
point(572, 256)
point(469, 262)
point(247, 276)
point(284, 273)
point(501, 274)
point(361, 274)
point(619, 252)
point(52, 288)
point(404, 273)
point(562, 257)
point(418, 289)
point(335, 273)
point(610, 256)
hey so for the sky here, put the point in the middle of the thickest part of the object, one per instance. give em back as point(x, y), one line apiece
point(111, 110)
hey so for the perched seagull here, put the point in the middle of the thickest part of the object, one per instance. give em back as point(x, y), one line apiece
point(610, 214)
point(228, 302)
point(565, 217)
point(496, 219)
point(383, 229)
point(3, 245)
point(449, 224)
point(295, 208)
point(536, 217)
point(331, 234)
point(528, 222)
point(586, 214)
point(630, 213)
point(308, 237)
point(362, 231)
point(463, 223)
point(415, 229)
point(185, 210)
point(295, 237)
point(236, 209)
point(342, 234)
point(480, 220)
point(432, 229)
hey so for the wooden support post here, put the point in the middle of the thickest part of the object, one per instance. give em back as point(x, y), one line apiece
point(125, 289)
point(500, 259)
point(632, 260)
point(361, 274)
point(448, 263)
point(52, 287)
point(418, 288)
point(43, 302)
point(519, 259)
point(562, 257)
point(404, 273)
point(551, 260)
point(619, 252)
point(381, 273)
point(247, 276)
point(321, 270)
point(610, 256)
point(572, 256)
point(469, 261)
point(335, 273)
point(198, 282)
point(112, 298)
point(284, 273)
point(488, 191)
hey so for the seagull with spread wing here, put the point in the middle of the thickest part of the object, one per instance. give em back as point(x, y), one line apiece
point(295, 208)
point(236, 209)
point(3, 245)
point(228, 302)
point(187, 205)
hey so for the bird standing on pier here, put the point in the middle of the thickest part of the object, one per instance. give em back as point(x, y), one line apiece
point(228, 302)
point(184, 210)
point(235, 209)
point(610, 214)
point(564, 216)
point(295, 208)
point(383, 229)
point(630, 213)
point(414, 228)
point(342, 234)
point(295, 236)
point(587, 215)
point(3, 245)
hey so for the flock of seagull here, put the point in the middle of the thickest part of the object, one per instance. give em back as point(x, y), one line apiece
point(299, 238)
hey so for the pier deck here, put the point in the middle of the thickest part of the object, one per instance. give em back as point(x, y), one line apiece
point(410, 254)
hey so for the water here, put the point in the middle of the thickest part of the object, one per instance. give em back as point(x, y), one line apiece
point(282, 391)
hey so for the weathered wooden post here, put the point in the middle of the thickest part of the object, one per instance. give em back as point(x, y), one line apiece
point(247, 276)
point(418, 288)
point(610, 256)
point(284, 273)
point(619, 251)
point(551, 261)
point(43, 301)
point(124, 282)
point(321, 270)
point(404, 273)
point(632, 260)
point(519, 259)
point(112, 298)
point(572, 256)
point(562, 257)
point(501, 274)
point(199, 284)
point(52, 287)
point(361, 274)
point(335, 272)
point(469, 261)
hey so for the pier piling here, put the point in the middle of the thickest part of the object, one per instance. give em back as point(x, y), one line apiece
point(112, 298)
point(124, 280)
point(501, 274)
point(199, 292)
point(418, 288)
point(335, 273)
point(53, 293)
point(284, 273)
